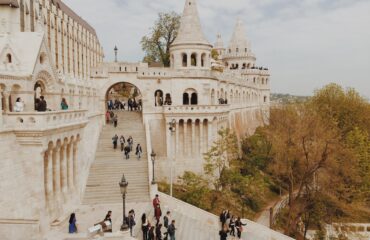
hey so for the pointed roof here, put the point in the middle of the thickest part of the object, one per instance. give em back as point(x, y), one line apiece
point(219, 44)
point(239, 38)
point(190, 31)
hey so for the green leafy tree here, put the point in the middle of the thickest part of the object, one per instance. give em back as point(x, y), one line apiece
point(195, 189)
point(157, 44)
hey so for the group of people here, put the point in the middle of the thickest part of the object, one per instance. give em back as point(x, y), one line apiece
point(127, 148)
point(222, 101)
point(154, 232)
point(40, 105)
point(228, 225)
point(111, 118)
point(132, 105)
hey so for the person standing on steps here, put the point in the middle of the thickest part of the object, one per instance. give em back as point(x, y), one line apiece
point(172, 230)
point(139, 151)
point(131, 220)
point(158, 213)
point(122, 141)
point(156, 202)
point(130, 142)
point(158, 232)
point(107, 117)
point(239, 227)
point(115, 120)
point(151, 235)
point(144, 226)
point(115, 140)
point(127, 152)
point(166, 222)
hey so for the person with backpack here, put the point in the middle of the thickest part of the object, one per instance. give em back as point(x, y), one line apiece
point(172, 230)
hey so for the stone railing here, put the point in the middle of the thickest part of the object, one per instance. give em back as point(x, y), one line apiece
point(351, 230)
point(199, 109)
point(44, 120)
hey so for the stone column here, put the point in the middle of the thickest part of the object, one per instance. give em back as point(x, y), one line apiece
point(210, 134)
point(185, 147)
point(193, 142)
point(177, 138)
point(69, 167)
point(199, 60)
point(75, 147)
point(201, 138)
point(56, 176)
point(63, 170)
point(189, 60)
point(6, 102)
point(48, 179)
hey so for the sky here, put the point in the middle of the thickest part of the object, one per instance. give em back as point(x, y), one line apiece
point(306, 44)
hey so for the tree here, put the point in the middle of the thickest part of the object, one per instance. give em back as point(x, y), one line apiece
point(157, 44)
point(222, 154)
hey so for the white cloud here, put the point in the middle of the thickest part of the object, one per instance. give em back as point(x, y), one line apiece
point(305, 43)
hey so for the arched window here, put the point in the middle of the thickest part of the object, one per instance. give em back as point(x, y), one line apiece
point(194, 59)
point(168, 100)
point(184, 60)
point(264, 99)
point(9, 58)
point(244, 66)
point(203, 59)
point(194, 98)
point(185, 99)
point(158, 98)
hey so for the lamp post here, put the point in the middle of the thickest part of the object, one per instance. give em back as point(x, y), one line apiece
point(172, 130)
point(152, 155)
point(115, 53)
point(123, 186)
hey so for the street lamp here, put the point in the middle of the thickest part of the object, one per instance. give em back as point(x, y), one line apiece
point(152, 155)
point(123, 186)
point(115, 53)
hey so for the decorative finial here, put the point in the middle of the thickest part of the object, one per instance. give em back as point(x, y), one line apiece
point(115, 53)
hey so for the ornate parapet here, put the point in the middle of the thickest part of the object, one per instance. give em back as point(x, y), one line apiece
point(196, 109)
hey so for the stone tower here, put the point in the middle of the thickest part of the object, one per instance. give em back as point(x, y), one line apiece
point(239, 54)
point(219, 46)
point(190, 50)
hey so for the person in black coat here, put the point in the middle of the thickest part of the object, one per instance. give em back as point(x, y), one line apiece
point(223, 233)
point(127, 152)
point(158, 232)
point(239, 227)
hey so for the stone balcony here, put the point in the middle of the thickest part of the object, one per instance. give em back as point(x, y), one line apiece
point(43, 121)
point(196, 109)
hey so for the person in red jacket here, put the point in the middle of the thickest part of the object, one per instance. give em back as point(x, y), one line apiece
point(158, 213)
point(156, 202)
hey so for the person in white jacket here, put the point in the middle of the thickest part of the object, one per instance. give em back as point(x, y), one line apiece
point(19, 105)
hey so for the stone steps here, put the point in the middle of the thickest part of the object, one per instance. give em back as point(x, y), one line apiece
point(106, 172)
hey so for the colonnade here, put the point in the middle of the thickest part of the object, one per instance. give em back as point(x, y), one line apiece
point(60, 173)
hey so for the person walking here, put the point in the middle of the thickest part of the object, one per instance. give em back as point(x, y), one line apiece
point(158, 232)
point(130, 142)
point(223, 233)
point(115, 140)
point(151, 235)
point(19, 105)
point(127, 152)
point(42, 106)
point(115, 120)
point(156, 202)
point(239, 227)
point(172, 230)
point(223, 218)
point(232, 226)
point(72, 224)
point(107, 117)
point(63, 104)
point(139, 151)
point(122, 141)
point(158, 213)
point(166, 222)
point(131, 220)
point(144, 226)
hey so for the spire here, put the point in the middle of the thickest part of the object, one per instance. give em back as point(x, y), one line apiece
point(190, 31)
point(239, 38)
point(219, 44)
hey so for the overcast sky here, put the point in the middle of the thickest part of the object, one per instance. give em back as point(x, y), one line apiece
point(305, 43)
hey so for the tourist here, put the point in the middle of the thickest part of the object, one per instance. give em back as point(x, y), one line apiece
point(130, 142)
point(72, 224)
point(19, 105)
point(122, 141)
point(111, 113)
point(108, 217)
point(158, 232)
point(139, 151)
point(232, 226)
point(156, 202)
point(239, 227)
point(171, 230)
point(158, 213)
point(42, 106)
point(63, 104)
point(115, 140)
point(127, 152)
point(131, 220)
point(223, 233)
point(223, 218)
point(151, 235)
point(144, 226)
point(107, 117)
point(115, 120)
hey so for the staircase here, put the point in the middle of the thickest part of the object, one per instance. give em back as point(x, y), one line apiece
point(106, 172)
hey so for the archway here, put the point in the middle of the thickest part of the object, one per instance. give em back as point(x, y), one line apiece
point(123, 96)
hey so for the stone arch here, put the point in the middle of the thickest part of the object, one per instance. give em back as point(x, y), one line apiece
point(185, 98)
point(158, 98)
point(124, 91)
point(194, 98)
point(194, 60)
point(8, 58)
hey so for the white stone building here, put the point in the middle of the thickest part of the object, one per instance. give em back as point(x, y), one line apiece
point(45, 160)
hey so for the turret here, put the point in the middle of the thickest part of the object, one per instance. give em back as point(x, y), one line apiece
point(239, 54)
point(219, 46)
point(190, 49)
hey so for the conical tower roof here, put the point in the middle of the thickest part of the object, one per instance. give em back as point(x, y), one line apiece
point(239, 38)
point(190, 31)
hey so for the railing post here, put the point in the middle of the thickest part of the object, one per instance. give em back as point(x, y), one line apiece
point(271, 217)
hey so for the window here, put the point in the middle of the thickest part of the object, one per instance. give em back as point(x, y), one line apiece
point(194, 99)
point(158, 98)
point(185, 99)
point(9, 58)
point(264, 99)
point(168, 100)
point(194, 59)
point(184, 60)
